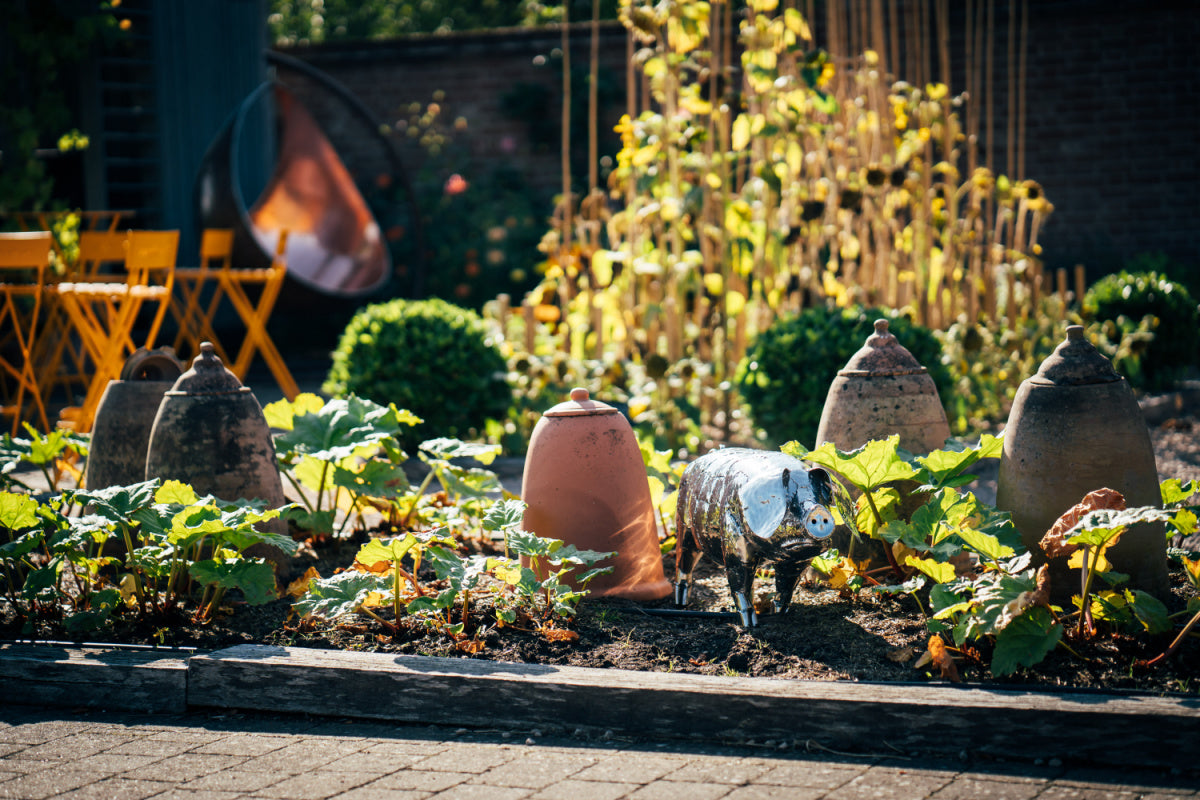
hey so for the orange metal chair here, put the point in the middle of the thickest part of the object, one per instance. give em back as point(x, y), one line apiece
point(25, 257)
point(194, 320)
point(98, 220)
point(255, 313)
point(62, 352)
point(104, 314)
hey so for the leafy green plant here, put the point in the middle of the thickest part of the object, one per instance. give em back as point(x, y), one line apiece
point(386, 573)
point(982, 589)
point(788, 368)
point(427, 356)
point(143, 549)
point(1120, 302)
point(540, 590)
point(58, 454)
point(342, 453)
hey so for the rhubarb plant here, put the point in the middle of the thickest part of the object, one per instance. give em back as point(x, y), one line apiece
point(58, 454)
point(529, 585)
point(341, 454)
point(967, 561)
point(142, 550)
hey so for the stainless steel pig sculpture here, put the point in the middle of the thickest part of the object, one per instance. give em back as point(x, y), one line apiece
point(742, 507)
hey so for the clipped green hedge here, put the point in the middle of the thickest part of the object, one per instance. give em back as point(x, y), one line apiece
point(1120, 301)
point(427, 356)
point(788, 368)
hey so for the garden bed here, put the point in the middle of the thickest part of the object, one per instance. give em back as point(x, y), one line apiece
point(828, 636)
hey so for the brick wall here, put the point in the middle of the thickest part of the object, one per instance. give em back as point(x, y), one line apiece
point(1111, 95)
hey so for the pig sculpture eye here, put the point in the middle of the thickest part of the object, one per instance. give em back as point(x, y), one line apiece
point(819, 523)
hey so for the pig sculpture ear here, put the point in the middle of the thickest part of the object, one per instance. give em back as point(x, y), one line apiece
point(822, 485)
point(764, 504)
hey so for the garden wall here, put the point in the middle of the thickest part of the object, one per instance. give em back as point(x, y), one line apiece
point(1111, 101)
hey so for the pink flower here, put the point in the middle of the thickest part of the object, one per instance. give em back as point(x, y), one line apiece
point(456, 184)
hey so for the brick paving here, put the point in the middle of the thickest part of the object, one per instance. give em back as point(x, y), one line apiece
point(58, 753)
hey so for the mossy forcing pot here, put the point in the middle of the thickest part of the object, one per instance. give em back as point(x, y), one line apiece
point(585, 483)
point(125, 417)
point(210, 433)
point(1076, 427)
point(883, 390)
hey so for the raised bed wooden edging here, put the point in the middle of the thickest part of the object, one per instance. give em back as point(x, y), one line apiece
point(96, 676)
point(856, 717)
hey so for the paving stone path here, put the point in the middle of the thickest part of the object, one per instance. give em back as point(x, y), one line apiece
point(57, 753)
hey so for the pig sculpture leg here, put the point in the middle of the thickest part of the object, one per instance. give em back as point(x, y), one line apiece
point(741, 583)
point(740, 566)
point(687, 555)
point(786, 578)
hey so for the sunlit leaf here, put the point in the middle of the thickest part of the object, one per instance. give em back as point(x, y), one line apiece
point(985, 544)
point(875, 463)
point(505, 514)
point(281, 413)
point(341, 428)
point(380, 479)
point(741, 132)
point(17, 511)
point(1174, 491)
point(944, 467)
point(387, 550)
point(444, 448)
point(253, 576)
point(939, 571)
point(175, 492)
point(1025, 642)
point(341, 594)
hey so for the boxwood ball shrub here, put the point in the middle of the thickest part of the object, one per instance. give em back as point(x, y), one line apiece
point(1120, 301)
point(428, 356)
point(788, 368)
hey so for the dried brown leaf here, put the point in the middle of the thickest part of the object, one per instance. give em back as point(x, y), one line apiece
point(1055, 544)
point(379, 567)
point(942, 659)
point(298, 587)
point(470, 646)
point(559, 635)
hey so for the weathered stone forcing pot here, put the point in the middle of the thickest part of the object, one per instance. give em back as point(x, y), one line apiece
point(883, 390)
point(1075, 427)
point(210, 432)
point(125, 416)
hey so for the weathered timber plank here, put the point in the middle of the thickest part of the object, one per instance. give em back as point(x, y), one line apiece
point(93, 677)
point(861, 717)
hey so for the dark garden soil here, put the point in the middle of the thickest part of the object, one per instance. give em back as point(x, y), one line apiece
point(827, 636)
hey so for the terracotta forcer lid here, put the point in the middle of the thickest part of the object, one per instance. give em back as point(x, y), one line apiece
point(580, 405)
point(882, 355)
point(207, 376)
point(1075, 362)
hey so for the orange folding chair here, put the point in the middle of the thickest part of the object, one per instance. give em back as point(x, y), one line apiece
point(62, 353)
point(24, 260)
point(195, 322)
point(104, 314)
point(255, 314)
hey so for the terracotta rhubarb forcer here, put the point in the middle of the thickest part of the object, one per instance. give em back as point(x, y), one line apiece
point(125, 415)
point(585, 483)
point(210, 433)
point(883, 390)
point(1076, 427)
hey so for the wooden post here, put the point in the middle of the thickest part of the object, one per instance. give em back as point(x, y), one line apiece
point(530, 326)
